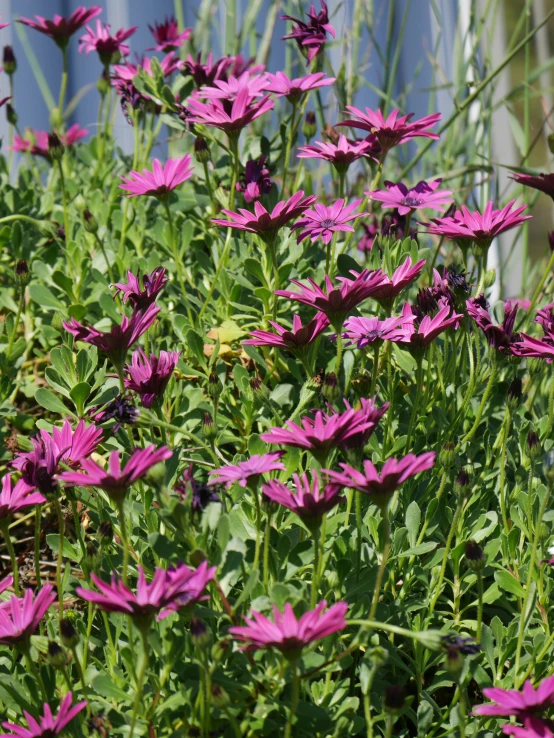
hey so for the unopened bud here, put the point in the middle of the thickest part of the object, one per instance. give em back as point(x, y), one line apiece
point(22, 273)
point(490, 277)
point(103, 84)
point(514, 394)
point(57, 321)
point(11, 115)
point(462, 483)
point(92, 555)
point(55, 146)
point(309, 127)
point(69, 633)
point(395, 696)
point(454, 662)
point(474, 556)
point(534, 449)
point(220, 648)
point(57, 657)
point(199, 633)
point(330, 389)
point(56, 119)
point(9, 61)
point(220, 698)
point(447, 455)
point(202, 150)
point(105, 533)
point(209, 429)
point(214, 388)
point(330, 134)
point(259, 389)
point(89, 222)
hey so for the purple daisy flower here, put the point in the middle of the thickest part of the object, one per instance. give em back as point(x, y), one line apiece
point(308, 500)
point(369, 331)
point(391, 131)
point(142, 298)
point(167, 36)
point(525, 703)
point(311, 36)
point(20, 616)
point(149, 377)
point(423, 195)
point(341, 155)
point(293, 89)
point(324, 221)
point(248, 472)
point(16, 497)
point(294, 340)
point(500, 337)
point(47, 724)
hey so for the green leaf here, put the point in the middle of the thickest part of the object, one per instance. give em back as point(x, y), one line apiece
point(69, 551)
point(104, 686)
point(509, 583)
point(413, 520)
point(44, 297)
point(80, 394)
point(51, 402)
point(423, 548)
point(196, 344)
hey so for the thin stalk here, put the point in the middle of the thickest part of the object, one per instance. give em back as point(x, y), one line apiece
point(209, 187)
point(102, 248)
point(502, 477)
point(338, 360)
point(447, 548)
point(382, 564)
point(20, 306)
point(80, 673)
point(140, 680)
point(38, 525)
point(315, 575)
point(530, 572)
point(61, 528)
point(177, 259)
point(294, 700)
point(469, 435)
point(64, 202)
point(479, 605)
point(374, 373)
point(13, 557)
point(34, 671)
point(292, 130)
point(123, 530)
point(267, 538)
point(258, 529)
point(358, 496)
point(415, 408)
point(63, 86)
point(547, 272)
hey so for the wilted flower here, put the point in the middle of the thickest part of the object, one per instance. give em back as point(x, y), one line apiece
point(542, 182)
point(423, 195)
point(149, 376)
point(169, 591)
point(393, 130)
point(47, 725)
point(256, 182)
point(119, 409)
point(288, 634)
point(311, 36)
point(61, 29)
point(202, 494)
point(249, 471)
point(500, 337)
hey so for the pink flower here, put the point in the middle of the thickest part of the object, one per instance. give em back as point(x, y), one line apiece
point(249, 471)
point(47, 725)
point(308, 501)
point(294, 340)
point(3, 25)
point(293, 89)
point(350, 429)
point(167, 36)
point(341, 155)
point(16, 497)
point(241, 113)
point(36, 142)
point(501, 337)
point(423, 195)
point(206, 74)
point(119, 340)
point(466, 227)
point(169, 591)
point(542, 182)
point(61, 29)
point(390, 287)
point(381, 486)
point(4, 585)
point(142, 298)
point(115, 481)
point(286, 633)
point(368, 331)
point(256, 182)
point(264, 223)
point(393, 130)
point(108, 47)
point(423, 332)
point(149, 377)
point(311, 36)
point(127, 72)
point(534, 728)
point(324, 221)
point(526, 703)
point(20, 616)
point(230, 88)
point(162, 180)
point(336, 302)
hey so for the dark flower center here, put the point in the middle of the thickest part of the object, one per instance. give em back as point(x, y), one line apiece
point(411, 202)
point(373, 335)
point(327, 223)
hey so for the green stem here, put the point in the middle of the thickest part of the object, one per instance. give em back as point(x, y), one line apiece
point(338, 360)
point(529, 580)
point(102, 248)
point(20, 306)
point(64, 202)
point(258, 528)
point(294, 700)
point(551, 405)
point(480, 605)
point(209, 187)
point(375, 372)
point(61, 528)
point(530, 497)
point(315, 574)
point(382, 564)
point(276, 279)
point(419, 388)
point(292, 130)
point(63, 86)
point(38, 526)
point(502, 476)
point(125, 541)
point(177, 259)
point(469, 435)
point(358, 533)
point(80, 673)
point(267, 538)
point(35, 672)
point(447, 548)
point(13, 557)
point(140, 681)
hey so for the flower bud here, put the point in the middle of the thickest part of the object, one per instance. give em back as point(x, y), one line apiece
point(69, 633)
point(90, 223)
point(209, 429)
point(57, 321)
point(395, 696)
point(462, 483)
point(103, 84)
point(57, 657)
point(259, 390)
point(550, 142)
point(330, 389)
point(214, 388)
point(447, 455)
point(9, 61)
point(105, 533)
point(220, 648)
point(56, 120)
point(11, 115)
point(22, 273)
point(454, 662)
point(92, 555)
point(55, 146)
point(220, 698)
point(534, 448)
point(199, 633)
point(309, 127)
point(202, 150)
point(474, 556)
point(514, 394)
point(490, 277)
